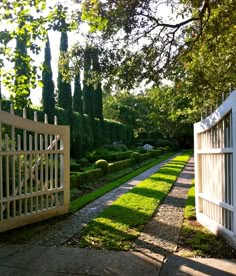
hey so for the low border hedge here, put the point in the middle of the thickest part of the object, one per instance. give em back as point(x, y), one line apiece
point(119, 165)
point(84, 177)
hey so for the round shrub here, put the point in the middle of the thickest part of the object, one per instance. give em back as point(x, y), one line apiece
point(102, 164)
point(136, 156)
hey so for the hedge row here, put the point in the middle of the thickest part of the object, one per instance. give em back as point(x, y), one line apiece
point(145, 156)
point(85, 134)
point(119, 165)
point(111, 157)
point(81, 178)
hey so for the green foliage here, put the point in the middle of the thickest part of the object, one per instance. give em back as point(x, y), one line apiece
point(27, 23)
point(145, 156)
point(82, 178)
point(156, 152)
point(83, 161)
point(48, 99)
point(136, 156)
point(88, 89)
point(75, 167)
point(119, 165)
point(207, 71)
point(156, 48)
point(77, 97)
point(64, 87)
point(102, 164)
point(153, 116)
point(98, 110)
point(116, 147)
point(110, 153)
point(22, 71)
point(190, 211)
point(119, 156)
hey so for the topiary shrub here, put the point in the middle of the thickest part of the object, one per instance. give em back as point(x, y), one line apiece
point(136, 156)
point(102, 164)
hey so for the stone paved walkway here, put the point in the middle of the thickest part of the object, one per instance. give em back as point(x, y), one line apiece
point(64, 230)
point(161, 234)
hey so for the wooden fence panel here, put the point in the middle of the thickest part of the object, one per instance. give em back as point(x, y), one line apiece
point(34, 170)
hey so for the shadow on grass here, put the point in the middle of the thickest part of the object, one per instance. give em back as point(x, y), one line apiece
point(203, 243)
point(99, 234)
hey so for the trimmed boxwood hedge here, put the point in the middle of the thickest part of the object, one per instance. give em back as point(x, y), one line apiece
point(119, 156)
point(81, 178)
point(119, 165)
point(145, 156)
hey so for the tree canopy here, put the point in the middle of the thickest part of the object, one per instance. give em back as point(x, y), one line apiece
point(25, 23)
point(193, 46)
point(140, 36)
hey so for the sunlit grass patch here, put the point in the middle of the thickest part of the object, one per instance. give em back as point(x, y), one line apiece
point(190, 211)
point(118, 225)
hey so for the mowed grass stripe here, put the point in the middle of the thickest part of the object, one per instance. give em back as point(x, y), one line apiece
point(82, 201)
point(118, 225)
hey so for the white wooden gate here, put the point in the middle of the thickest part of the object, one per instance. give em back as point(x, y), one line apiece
point(215, 170)
point(34, 170)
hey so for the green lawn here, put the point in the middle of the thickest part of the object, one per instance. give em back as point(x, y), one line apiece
point(118, 225)
point(77, 204)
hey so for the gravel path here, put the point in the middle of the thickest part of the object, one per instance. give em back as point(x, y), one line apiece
point(59, 233)
point(161, 234)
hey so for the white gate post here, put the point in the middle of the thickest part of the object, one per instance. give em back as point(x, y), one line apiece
point(234, 168)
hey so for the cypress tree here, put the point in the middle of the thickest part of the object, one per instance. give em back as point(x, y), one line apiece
point(48, 85)
point(22, 70)
point(77, 97)
point(88, 90)
point(98, 87)
point(64, 88)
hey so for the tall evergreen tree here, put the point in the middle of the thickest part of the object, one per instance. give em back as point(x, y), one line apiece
point(98, 113)
point(88, 90)
point(64, 88)
point(22, 69)
point(77, 97)
point(48, 84)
